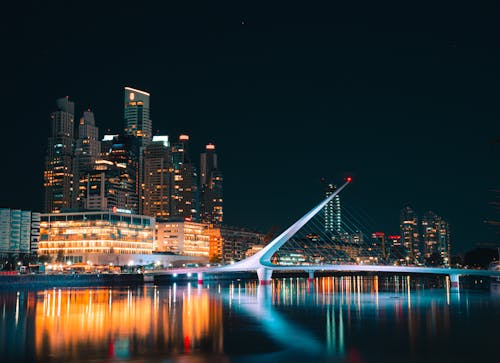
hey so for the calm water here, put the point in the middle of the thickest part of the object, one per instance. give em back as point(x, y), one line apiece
point(341, 319)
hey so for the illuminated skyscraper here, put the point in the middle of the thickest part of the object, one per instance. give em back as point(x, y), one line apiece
point(157, 179)
point(87, 149)
point(184, 193)
point(410, 238)
point(211, 184)
point(435, 239)
point(112, 182)
point(332, 211)
point(137, 115)
point(58, 173)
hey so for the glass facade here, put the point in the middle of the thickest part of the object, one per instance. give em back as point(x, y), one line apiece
point(96, 232)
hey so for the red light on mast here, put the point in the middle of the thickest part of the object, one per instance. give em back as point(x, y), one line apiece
point(348, 179)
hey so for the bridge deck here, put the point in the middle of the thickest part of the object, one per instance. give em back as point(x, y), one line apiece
point(340, 268)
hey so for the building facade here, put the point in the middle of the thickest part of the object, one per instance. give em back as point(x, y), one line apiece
point(112, 182)
point(184, 192)
point(86, 152)
point(84, 236)
point(435, 232)
point(19, 231)
point(183, 238)
point(211, 186)
point(137, 115)
point(410, 236)
point(157, 179)
point(58, 172)
point(332, 212)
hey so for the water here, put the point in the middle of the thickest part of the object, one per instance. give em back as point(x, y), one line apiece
point(333, 319)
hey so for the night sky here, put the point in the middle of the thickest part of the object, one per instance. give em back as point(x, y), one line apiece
point(405, 98)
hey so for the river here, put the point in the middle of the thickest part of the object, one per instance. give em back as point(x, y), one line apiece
point(331, 319)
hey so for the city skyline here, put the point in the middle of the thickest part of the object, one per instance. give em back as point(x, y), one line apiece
point(287, 105)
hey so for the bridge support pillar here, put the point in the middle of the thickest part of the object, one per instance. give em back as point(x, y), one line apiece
point(264, 275)
point(454, 283)
point(311, 276)
point(200, 278)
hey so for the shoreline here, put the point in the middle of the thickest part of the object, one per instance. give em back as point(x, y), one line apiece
point(37, 281)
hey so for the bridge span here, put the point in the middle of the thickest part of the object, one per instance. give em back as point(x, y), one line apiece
point(261, 261)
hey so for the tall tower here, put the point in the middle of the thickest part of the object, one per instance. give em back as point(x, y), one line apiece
point(410, 238)
point(435, 235)
point(137, 115)
point(58, 173)
point(112, 182)
point(211, 184)
point(332, 211)
point(156, 186)
point(184, 194)
point(87, 150)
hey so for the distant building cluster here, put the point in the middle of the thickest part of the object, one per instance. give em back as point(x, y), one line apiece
point(421, 241)
point(135, 197)
point(133, 170)
point(129, 193)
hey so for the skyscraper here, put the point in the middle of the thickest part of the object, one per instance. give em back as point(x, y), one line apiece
point(137, 115)
point(112, 182)
point(157, 179)
point(332, 211)
point(87, 149)
point(211, 184)
point(184, 193)
point(410, 238)
point(58, 173)
point(435, 239)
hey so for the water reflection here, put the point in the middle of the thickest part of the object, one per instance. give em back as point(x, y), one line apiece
point(332, 318)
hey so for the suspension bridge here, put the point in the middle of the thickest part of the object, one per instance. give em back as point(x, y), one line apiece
point(263, 262)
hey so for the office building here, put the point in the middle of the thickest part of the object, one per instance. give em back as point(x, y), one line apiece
point(183, 237)
point(332, 212)
point(87, 150)
point(184, 192)
point(410, 237)
point(211, 185)
point(397, 252)
point(58, 173)
point(137, 115)
point(379, 245)
point(112, 182)
point(435, 234)
point(157, 179)
point(236, 242)
point(95, 236)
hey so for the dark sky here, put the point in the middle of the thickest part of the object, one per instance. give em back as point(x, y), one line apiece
point(402, 96)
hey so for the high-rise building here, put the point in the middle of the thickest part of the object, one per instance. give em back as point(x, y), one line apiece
point(58, 173)
point(211, 184)
point(332, 212)
point(184, 193)
point(137, 115)
point(87, 150)
point(379, 244)
point(397, 252)
point(112, 182)
point(435, 234)
point(157, 179)
point(410, 237)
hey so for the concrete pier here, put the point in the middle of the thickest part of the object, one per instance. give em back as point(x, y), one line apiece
point(264, 275)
